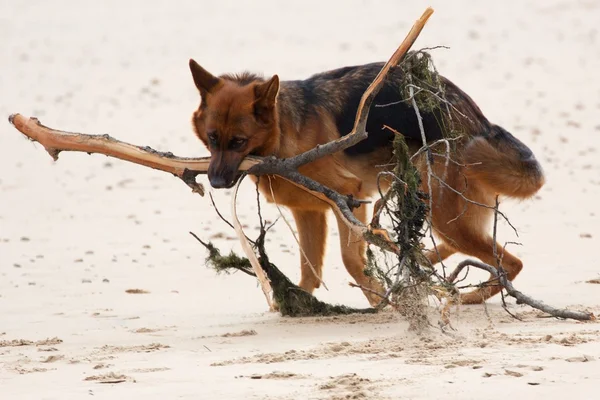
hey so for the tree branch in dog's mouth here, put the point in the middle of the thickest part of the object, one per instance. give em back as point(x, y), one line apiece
point(187, 169)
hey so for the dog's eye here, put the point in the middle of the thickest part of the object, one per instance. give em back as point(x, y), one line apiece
point(212, 137)
point(237, 143)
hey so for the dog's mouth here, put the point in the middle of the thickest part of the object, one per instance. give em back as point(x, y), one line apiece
point(220, 183)
point(235, 180)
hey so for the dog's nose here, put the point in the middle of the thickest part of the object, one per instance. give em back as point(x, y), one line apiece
point(218, 182)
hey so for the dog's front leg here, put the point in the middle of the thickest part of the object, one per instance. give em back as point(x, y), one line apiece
point(353, 254)
point(312, 232)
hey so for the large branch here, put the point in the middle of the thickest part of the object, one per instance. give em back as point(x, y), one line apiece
point(55, 142)
point(187, 169)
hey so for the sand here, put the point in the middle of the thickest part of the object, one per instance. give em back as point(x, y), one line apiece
point(103, 292)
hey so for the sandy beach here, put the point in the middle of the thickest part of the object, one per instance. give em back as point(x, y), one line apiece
point(104, 293)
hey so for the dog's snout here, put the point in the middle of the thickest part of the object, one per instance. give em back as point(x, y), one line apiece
point(218, 182)
point(221, 171)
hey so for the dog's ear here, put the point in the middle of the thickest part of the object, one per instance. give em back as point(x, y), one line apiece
point(204, 80)
point(266, 98)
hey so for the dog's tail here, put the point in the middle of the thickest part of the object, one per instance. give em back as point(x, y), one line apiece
point(503, 163)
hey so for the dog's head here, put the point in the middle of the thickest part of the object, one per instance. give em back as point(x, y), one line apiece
point(237, 116)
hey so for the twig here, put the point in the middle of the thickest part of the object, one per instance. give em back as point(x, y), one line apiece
point(398, 274)
point(212, 200)
point(428, 160)
point(494, 236)
point(443, 100)
point(381, 203)
point(375, 292)
point(499, 267)
point(462, 196)
point(430, 145)
point(258, 270)
point(427, 149)
point(271, 225)
point(521, 297)
point(384, 299)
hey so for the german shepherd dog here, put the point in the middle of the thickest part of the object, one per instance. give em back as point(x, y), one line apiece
point(245, 114)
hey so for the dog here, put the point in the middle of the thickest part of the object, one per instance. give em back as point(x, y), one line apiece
point(246, 114)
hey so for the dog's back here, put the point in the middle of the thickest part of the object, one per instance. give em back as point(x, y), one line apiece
point(339, 92)
point(497, 158)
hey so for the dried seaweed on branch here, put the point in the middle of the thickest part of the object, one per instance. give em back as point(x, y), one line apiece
point(224, 264)
point(290, 299)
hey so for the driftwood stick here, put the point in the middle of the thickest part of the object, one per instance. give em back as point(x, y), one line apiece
point(521, 297)
point(187, 169)
point(55, 142)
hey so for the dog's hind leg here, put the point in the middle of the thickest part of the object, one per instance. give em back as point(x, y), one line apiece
point(482, 248)
point(354, 258)
point(467, 233)
point(312, 232)
point(480, 245)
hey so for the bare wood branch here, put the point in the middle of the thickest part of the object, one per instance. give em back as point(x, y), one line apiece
point(258, 270)
point(446, 142)
point(187, 169)
point(55, 142)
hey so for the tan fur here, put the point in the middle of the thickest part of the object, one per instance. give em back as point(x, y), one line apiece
point(499, 170)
